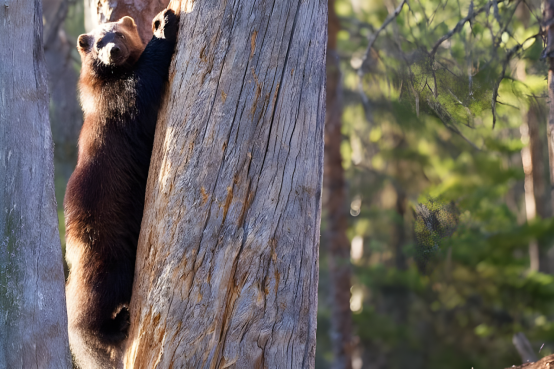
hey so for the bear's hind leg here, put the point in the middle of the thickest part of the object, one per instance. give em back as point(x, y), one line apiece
point(99, 317)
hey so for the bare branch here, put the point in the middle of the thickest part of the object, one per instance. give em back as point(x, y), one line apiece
point(468, 111)
point(509, 56)
point(469, 18)
point(508, 21)
point(374, 36)
point(51, 31)
point(390, 18)
point(447, 120)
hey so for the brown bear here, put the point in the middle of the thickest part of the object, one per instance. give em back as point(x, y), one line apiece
point(121, 86)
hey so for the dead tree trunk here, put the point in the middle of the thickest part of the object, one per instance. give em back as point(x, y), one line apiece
point(33, 320)
point(336, 211)
point(142, 11)
point(227, 262)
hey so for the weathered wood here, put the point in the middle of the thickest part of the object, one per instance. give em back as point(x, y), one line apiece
point(33, 321)
point(142, 11)
point(336, 208)
point(546, 362)
point(227, 263)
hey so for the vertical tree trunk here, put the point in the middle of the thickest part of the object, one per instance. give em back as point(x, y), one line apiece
point(227, 262)
point(66, 117)
point(530, 204)
point(33, 320)
point(336, 207)
point(142, 11)
point(540, 180)
point(536, 197)
point(548, 23)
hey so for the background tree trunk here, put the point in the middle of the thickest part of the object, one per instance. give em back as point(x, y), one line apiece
point(142, 11)
point(536, 198)
point(66, 117)
point(336, 207)
point(227, 262)
point(548, 20)
point(33, 320)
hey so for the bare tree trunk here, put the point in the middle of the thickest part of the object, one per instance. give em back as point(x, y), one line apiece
point(142, 11)
point(540, 181)
point(536, 197)
point(530, 204)
point(227, 262)
point(33, 320)
point(335, 206)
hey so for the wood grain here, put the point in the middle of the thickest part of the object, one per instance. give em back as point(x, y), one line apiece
point(33, 320)
point(227, 264)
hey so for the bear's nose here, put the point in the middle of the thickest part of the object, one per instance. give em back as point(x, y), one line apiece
point(114, 51)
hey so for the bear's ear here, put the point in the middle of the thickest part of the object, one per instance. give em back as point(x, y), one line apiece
point(127, 22)
point(84, 42)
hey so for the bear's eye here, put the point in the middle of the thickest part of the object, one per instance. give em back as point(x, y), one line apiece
point(120, 35)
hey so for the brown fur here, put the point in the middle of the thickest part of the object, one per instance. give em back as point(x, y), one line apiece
point(121, 85)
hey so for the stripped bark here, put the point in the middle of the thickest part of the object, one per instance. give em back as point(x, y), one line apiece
point(336, 208)
point(142, 11)
point(227, 261)
point(33, 320)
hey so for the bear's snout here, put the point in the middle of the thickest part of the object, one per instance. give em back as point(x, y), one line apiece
point(110, 54)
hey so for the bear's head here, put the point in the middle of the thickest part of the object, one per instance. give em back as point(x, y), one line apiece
point(111, 45)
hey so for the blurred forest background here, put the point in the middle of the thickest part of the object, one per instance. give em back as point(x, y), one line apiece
point(437, 233)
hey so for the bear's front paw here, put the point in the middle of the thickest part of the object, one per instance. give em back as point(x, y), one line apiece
point(165, 25)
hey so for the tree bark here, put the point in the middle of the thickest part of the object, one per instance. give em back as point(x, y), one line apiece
point(336, 207)
point(227, 262)
point(142, 11)
point(33, 320)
